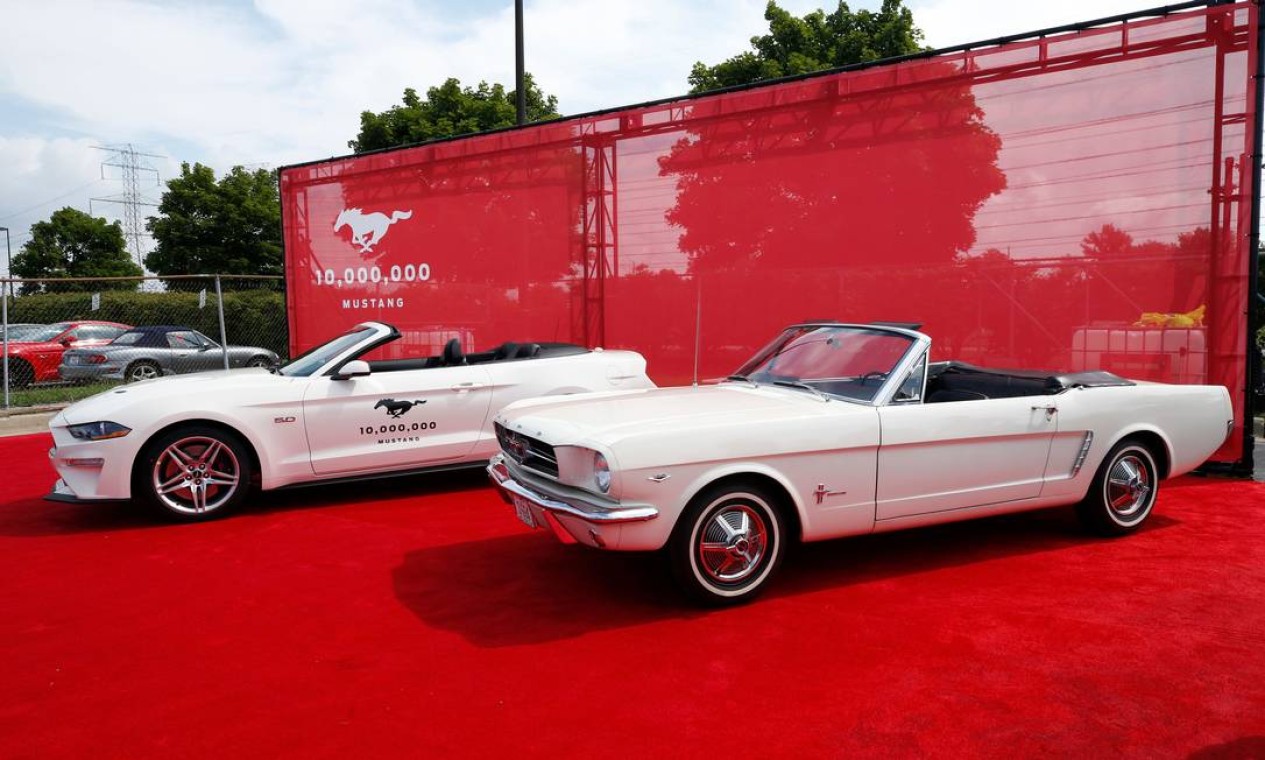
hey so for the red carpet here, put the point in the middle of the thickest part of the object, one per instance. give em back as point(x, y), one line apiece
point(419, 618)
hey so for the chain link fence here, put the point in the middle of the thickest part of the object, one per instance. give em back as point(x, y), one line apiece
point(66, 339)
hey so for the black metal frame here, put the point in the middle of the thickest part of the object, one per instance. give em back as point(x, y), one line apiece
point(1255, 371)
point(926, 54)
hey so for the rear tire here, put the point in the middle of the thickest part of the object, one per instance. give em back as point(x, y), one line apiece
point(1123, 491)
point(727, 544)
point(193, 473)
point(141, 370)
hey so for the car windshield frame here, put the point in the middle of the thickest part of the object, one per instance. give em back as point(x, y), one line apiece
point(869, 362)
point(363, 337)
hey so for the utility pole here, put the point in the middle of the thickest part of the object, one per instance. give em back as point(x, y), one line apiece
point(520, 72)
point(132, 163)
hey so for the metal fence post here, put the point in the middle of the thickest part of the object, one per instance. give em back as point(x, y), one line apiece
point(219, 300)
point(4, 297)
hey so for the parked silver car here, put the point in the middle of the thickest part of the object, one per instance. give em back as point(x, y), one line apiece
point(147, 352)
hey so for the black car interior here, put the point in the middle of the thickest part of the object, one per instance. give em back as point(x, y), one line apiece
point(958, 381)
point(453, 356)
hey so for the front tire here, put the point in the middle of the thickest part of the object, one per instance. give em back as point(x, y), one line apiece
point(727, 544)
point(259, 361)
point(21, 373)
point(193, 473)
point(1123, 491)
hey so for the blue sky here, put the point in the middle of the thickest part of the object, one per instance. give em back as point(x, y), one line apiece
point(272, 82)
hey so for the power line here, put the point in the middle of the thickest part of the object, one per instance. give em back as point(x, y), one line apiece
point(42, 204)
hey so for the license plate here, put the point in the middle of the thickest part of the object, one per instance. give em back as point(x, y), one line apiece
point(523, 509)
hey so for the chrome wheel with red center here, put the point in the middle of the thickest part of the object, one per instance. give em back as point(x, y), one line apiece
point(728, 543)
point(194, 472)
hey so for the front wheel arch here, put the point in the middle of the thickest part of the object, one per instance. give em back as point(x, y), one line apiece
point(784, 503)
point(250, 445)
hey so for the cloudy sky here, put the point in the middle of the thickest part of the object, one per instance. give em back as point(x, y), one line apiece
point(271, 82)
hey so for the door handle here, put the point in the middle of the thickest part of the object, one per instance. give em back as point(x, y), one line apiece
point(1049, 410)
point(462, 387)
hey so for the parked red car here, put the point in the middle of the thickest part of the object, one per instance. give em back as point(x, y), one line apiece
point(35, 357)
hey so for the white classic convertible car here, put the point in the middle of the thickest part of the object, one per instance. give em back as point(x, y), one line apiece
point(839, 430)
point(192, 445)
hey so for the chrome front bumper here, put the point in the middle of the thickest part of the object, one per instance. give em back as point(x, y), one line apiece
point(597, 514)
point(572, 519)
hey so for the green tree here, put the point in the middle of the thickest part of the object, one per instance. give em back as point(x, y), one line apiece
point(74, 244)
point(815, 42)
point(205, 226)
point(1107, 243)
point(449, 110)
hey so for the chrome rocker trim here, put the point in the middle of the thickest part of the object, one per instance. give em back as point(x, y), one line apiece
point(501, 477)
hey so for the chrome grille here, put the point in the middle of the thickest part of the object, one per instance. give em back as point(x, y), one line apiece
point(527, 451)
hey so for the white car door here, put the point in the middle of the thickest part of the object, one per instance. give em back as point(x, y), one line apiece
point(943, 456)
point(395, 420)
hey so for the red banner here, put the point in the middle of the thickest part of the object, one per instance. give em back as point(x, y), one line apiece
point(1077, 201)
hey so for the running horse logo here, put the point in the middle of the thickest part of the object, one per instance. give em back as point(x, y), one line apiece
point(397, 408)
point(367, 230)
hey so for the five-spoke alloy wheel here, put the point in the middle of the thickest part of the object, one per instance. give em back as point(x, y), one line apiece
point(1123, 491)
point(194, 472)
point(142, 370)
point(727, 544)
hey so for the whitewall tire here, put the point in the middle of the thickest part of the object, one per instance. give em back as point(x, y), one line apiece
point(727, 544)
point(1123, 491)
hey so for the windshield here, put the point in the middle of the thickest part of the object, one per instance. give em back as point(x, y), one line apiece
point(40, 333)
point(851, 363)
point(24, 332)
point(315, 358)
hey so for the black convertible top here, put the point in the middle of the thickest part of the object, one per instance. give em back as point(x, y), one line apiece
point(988, 382)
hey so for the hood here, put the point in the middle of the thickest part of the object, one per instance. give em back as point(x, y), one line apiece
point(216, 386)
point(608, 418)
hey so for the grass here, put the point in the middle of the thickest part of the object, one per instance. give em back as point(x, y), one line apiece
point(47, 394)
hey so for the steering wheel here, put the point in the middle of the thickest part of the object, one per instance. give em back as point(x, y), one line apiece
point(880, 376)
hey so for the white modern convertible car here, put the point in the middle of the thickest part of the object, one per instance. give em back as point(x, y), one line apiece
point(192, 445)
point(838, 430)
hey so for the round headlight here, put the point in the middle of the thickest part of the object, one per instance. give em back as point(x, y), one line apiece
point(601, 472)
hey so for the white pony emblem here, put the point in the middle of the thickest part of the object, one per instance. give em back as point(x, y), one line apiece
point(367, 230)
